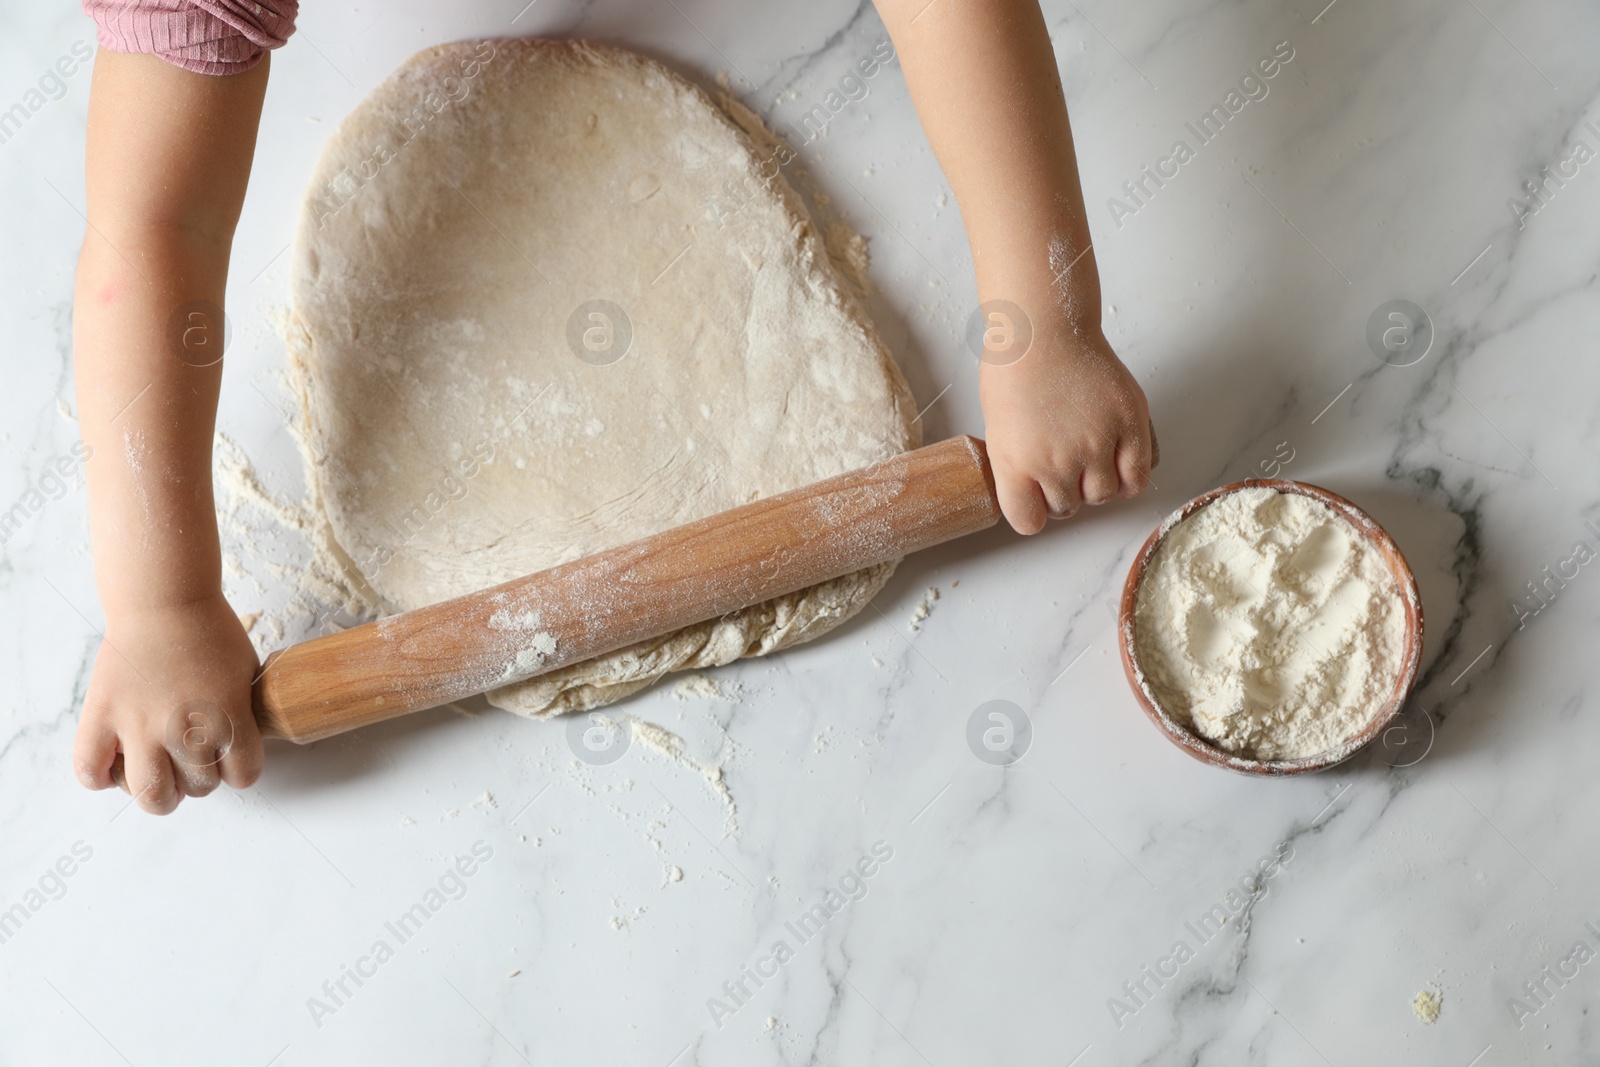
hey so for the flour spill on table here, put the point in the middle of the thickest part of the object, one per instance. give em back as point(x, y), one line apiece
point(704, 687)
point(1427, 1004)
point(668, 745)
point(267, 534)
point(924, 608)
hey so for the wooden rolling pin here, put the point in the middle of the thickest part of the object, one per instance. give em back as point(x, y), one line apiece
point(532, 625)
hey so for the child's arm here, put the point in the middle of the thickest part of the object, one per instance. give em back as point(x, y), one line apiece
point(168, 158)
point(1066, 423)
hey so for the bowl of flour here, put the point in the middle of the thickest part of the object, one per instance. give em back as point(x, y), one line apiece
point(1271, 627)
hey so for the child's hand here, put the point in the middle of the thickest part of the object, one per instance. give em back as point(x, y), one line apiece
point(1066, 423)
point(168, 712)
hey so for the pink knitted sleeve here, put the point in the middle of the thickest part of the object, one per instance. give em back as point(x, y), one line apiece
point(205, 36)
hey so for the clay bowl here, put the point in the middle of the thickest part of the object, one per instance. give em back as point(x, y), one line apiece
point(1200, 748)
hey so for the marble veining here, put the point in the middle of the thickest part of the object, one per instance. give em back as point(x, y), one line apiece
point(1029, 913)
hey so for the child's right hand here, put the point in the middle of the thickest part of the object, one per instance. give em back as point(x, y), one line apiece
point(168, 711)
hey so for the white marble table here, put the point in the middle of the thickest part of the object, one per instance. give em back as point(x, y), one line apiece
point(1015, 902)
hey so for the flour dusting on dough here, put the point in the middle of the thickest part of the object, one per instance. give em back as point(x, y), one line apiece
point(510, 435)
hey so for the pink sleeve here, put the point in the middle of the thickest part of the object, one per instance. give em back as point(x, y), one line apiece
point(205, 36)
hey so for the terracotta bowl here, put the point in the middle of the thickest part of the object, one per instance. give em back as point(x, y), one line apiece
point(1199, 747)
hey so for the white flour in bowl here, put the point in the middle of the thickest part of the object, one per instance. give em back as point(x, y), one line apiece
point(1268, 625)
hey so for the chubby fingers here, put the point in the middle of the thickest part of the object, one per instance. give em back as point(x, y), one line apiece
point(210, 744)
point(94, 751)
point(1027, 499)
point(1101, 478)
point(197, 734)
point(1063, 491)
point(197, 774)
point(1022, 502)
point(1136, 457)
point(241, 763)
point(1028, 502)
point(148, 775)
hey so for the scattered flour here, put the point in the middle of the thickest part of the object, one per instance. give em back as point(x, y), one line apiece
point(626, 921)
point(703, 687)
point(264, 534)
point(135, 452)
point(1426, 1005)
point(924, 608)
point(1269, 626)
point(665, 743)
point(1062, 259)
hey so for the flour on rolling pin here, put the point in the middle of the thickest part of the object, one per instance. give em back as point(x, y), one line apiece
point(865, 516)
point(536, 645)
point(620, 598)
point(513, 645)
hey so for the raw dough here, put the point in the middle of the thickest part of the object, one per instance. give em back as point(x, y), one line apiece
point(455, 223)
